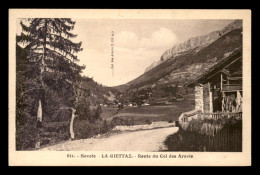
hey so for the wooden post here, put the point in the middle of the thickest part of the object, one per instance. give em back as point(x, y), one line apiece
point(210, 100)
point(213, 95)
point(223, 102)
point(199, 114)
point(221, 81)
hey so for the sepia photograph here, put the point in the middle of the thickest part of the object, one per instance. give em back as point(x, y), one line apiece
point(170, 86)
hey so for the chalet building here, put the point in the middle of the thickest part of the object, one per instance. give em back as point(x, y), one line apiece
point(218, 91)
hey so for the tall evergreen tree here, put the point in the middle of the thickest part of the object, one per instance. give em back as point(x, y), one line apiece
point(48, 42)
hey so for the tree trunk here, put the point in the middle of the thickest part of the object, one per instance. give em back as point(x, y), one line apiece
point(39, 119)
point(71, 124)
point(42, 69)
point(39, 113)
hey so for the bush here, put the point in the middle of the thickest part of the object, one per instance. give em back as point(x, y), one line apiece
point(186, 141)
point(27, 135)
point(117, 121)
point(198, 136)
point(148, 122)
point(84, 129)
point(132, 121)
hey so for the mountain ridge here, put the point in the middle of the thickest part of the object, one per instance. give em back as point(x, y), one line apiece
point(198, 42)
point(203, 57)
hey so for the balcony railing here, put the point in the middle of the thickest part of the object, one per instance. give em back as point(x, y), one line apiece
point(220, 115)
point(214, 116)
point(231, 87)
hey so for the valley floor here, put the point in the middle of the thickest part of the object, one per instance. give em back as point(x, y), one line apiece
point(153, 113)
point(147, 140)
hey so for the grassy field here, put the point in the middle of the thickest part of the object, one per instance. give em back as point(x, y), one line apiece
point(142, 114)
point(108, 112)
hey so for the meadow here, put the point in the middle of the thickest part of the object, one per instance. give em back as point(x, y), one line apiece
point(152, 113)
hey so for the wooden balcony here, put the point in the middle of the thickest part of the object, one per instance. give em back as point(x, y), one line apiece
point(231, 87)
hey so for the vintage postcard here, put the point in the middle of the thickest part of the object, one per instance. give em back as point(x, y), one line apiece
point(96, 87)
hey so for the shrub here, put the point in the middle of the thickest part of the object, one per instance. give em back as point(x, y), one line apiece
point(186, 141)
point(207, 135)
point(84, 129)
point(116, 121)
point(27, 136)
point(148, 122)
point(132, 121)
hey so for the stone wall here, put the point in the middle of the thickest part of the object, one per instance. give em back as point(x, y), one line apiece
point(199, 97)
point(160, 124)
point(206, 99)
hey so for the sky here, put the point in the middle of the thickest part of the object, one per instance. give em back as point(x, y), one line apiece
point(136, 44)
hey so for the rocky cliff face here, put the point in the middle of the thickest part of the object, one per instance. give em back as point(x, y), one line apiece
point(187, 65)
point(183, 75)
point(195, 44)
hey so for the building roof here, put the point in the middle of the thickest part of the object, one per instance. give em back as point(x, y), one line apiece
point(237, 54)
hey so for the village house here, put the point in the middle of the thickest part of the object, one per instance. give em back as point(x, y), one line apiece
point(218, 91)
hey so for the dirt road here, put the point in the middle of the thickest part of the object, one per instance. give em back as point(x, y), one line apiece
point(147, 140)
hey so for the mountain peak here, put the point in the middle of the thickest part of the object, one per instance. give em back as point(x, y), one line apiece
point(195, 43)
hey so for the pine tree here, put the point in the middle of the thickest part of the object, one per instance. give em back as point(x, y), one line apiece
point(50, 49)
point(50, 46)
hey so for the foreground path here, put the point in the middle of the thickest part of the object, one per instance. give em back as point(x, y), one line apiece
point(147, 140)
